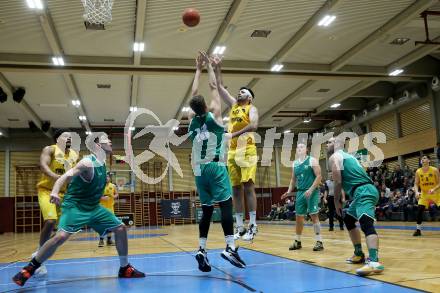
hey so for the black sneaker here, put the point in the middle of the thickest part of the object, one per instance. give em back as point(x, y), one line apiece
point(202, 259)
point(130, 272)
point(232, 256)
point(341, 228)
point(296, 245)
point(22, 276)
point(417, 233)
point(110, 242)
point(331, 229)
point(318, 246)
point(101, 242)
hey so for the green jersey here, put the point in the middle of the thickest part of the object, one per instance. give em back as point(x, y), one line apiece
point(207, 138)
point(304, 174)
point(83, 194)
point(352, 173)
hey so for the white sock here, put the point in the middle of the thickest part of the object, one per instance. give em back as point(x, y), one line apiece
point(230, 241)
point(298, 238)
point(317, 229)
point(202, 242)
point(239, 219)
point(123, 259)
point(419, 226)
point(253, 218)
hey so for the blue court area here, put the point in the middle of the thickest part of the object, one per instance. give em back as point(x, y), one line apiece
point(177, 272)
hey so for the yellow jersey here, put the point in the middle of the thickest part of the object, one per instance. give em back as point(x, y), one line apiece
point(239, 119)
point(60, 162)
point(110, 191)
point(428, 179)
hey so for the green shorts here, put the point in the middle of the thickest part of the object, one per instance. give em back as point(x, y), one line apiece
point(213, 185)
point(99, 219)
point(364, 202)
point(304, 206)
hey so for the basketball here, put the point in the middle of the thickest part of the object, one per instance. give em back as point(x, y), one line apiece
point(191, 17)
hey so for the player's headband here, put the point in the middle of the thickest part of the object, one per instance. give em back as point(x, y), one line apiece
point(246, 92)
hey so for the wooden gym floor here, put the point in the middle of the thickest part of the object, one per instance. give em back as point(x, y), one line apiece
point(409, 261)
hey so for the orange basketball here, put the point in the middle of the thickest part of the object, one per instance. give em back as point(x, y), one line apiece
point(191, 17)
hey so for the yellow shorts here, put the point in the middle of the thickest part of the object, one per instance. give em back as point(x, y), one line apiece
point(49, 210)
point(427, 199)
point(242, 165)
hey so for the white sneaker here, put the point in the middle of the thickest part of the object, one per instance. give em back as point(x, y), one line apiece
point(239, 232)
point(251, 232)
point(370, 267)
point(41, 272)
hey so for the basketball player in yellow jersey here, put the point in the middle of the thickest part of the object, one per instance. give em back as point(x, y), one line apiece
point(55, 160)
point(242, 154)
point(428, 178)
point(108, 201)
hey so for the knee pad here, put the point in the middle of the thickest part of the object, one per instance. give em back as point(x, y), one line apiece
point(350, 222)
point(367, 225)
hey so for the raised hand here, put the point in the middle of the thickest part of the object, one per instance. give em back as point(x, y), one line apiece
point(215, 60)
point(200, 61)
point(204, 56)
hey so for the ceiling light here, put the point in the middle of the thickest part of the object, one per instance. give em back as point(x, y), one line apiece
point(132, 128)
point(287, 131)
point(35, 4)
point(58, 61)
point(277, 67)
point(88, 132)
point(260, 33)
point(138, 46)
point(327, 20)
point(399, 41)
point(82, 118)
point(76, 103)
point(185, 109)
point(1, 133)
point(396, 72)
point(226, 119)
point(219, 50)
point(335, 105)
point(176, 128)
point(133, 109)
point(307, 120)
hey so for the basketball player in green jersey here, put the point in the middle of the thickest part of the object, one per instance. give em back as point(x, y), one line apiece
point(306, 177)
point(206, 133)
point(81, 207)
point(349, 174)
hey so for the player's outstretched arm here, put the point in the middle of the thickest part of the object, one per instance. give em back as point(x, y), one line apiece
point(317, 171)
point(223, 92)
point(336, 167)
point(199, 67)
point(292, 184)
point(83, 168)
point(215, 106)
